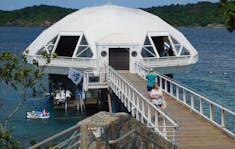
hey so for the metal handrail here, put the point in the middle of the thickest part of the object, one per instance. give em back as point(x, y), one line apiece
point(122, 137)
point(187, 88)
point(141, 95)
point(167, 57)
point(130, 133)
point(103, 79)
point(137, 109)
point(142, 71)
point(77, 126)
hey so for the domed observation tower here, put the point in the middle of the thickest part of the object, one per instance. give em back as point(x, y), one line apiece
point(93, 38)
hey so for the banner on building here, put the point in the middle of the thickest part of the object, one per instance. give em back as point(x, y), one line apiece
point(75, 76)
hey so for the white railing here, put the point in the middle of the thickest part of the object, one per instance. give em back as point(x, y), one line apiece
point(169, 61)
point(211, 111)
point(95, 80)
point(69, 139)
point(141, 108)
point(65, 61)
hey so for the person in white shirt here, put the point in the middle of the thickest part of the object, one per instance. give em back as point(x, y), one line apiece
point(63, 96)
point(68, 94)
point(156, 96)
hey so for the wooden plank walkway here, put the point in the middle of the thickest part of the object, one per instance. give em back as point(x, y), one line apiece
point(194, 132)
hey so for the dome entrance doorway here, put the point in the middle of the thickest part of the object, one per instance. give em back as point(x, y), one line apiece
point(119, 58)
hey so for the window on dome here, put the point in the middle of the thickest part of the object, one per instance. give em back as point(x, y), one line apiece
point(184, 52)
point(147, 49)
point(179, 48)
point(163, 46)
point(84, 49)
point(66, 45)
point(48, 47)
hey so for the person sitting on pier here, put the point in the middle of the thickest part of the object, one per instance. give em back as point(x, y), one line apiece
point(151, 79)
point(156, 96)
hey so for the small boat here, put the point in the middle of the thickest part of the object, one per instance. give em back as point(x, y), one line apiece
point(37, 115)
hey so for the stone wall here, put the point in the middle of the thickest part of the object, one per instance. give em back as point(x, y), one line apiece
point(99, 129)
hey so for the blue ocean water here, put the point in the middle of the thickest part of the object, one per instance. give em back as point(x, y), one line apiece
point(213, 76)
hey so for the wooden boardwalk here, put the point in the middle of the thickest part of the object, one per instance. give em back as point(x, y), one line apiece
point(194, 132)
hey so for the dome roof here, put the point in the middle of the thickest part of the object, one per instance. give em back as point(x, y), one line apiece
point(109, 24)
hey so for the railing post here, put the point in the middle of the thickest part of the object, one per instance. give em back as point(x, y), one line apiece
point(164, 127)
point(171, 89)
point(201, 105)
point(121, 90)
point(125, 95)
point(156, 119)
point(133, 104)
point(192, 101)
point(175, 140)
point(137, 108)
point(165, 85)
point(87, 77)
point(118, 87)
point(161, 83)
point(184, 96)
point(128, 100)
point(222, 118)
point(177, 93)
point(211, 112)
point(143, 111)
point(149, 115)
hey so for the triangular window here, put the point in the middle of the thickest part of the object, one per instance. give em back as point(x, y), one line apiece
point(179, 48)
point(147, 49)
point(48, 47)
point(84, 49)
point(184, 52)
point(147, 42)
point(83, 41)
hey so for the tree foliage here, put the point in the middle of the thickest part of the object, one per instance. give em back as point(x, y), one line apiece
point(6, 141)
point(200, 14)
point(34, 16)
point(20, 75)
point(227, 10)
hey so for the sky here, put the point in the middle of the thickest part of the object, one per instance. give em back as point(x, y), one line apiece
point(18, 4)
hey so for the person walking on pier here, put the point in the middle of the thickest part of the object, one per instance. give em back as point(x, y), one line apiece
point(151, 79)
point(156, 96)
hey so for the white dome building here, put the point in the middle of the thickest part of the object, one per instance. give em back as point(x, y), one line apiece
point(95, 37)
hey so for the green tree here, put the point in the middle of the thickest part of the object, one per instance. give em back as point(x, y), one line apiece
point(227, 10)
point(18, 74)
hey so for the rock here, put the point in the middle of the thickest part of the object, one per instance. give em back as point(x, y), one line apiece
point(98, 130)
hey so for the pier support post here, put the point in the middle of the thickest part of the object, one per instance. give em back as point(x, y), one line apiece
point(66, 105)
point(109, 100)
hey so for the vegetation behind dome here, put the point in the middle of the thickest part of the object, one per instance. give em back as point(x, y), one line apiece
point(200, 14)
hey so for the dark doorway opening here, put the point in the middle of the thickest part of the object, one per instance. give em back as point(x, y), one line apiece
point(119, 58)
